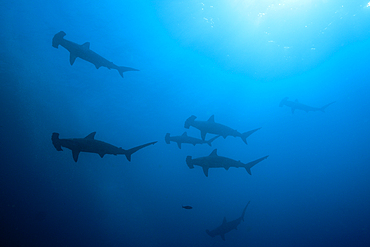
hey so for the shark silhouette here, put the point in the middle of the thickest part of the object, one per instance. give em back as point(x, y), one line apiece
point(226, 227)
point(83, 51)
point(215, 161)
point(215, 128)
point(184, 138)
point(90, 145)
point(295, 105)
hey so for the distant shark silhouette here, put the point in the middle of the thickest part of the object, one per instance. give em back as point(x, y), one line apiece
point(184, 138)
point(226, 227)
point(90, 145)
point(83, 51)
point(215, 161)
point(295, 105)
point(215, 128)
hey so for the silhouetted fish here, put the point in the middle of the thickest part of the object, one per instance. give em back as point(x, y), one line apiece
point(187, 207)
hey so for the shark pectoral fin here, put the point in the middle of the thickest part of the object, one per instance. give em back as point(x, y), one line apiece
point(293, 109)
point(205, 170)
point(102, 155)
point(75, 154)
point(203, 135)
point(227, 168)
point(72, 58)
point(222, 236)
point(179, 144)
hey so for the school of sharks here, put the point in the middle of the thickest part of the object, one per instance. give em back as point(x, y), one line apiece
point(91, 145)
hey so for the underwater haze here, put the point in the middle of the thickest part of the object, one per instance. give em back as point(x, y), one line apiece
point(235, 60)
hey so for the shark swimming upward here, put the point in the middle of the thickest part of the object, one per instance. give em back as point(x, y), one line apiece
point(90, 145)
point(184, 138)
point(215, 128)
point(295, 105)
point(226, 227)
point(215, 161)
point(83, 51)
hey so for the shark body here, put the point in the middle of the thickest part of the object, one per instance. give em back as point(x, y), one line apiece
point(215, 161)
point(83, 51)
point(90, 145)
point(226, 226)
point(184, 138)
point(210, 126)
point(295, 105)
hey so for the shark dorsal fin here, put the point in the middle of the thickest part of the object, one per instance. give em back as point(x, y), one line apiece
point(224, 221)
point(214, 153)
point(90, 136)
point(212, 119)
point(86, 45)
point(184, 134)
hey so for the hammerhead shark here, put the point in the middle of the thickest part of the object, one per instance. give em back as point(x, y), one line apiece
point(215, 128)
point(215, 161)
point(184, 138)
point(83, 51)
point(226, 227)
point(299, 106)
point(90, 145)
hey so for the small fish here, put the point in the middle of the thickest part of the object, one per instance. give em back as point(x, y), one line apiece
point(187, 207)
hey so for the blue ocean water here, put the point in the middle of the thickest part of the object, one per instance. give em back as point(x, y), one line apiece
point(232, 59)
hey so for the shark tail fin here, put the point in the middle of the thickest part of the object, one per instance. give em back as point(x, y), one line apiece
point(247, 134)
point(167, 138)
point(58, 38)
point(129, 152)
point(209, 142)
point(244, 210)
point(323, 108)
point(189, 162)
point(56, 141)
point(210, 233)
point(249, 165)
point(122, 69)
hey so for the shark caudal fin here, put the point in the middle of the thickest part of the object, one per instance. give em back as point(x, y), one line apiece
point(122, 69)
point(242, 217)
point(283, 101)
point(209, 142)
point(247, 134)
point(56, 141)
point(249, 165)
point(189, 121)
point(210, 233)
point(167, 138)
point(57, 39)
point(129, 152)
point(189, 162)
point(323, 108)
